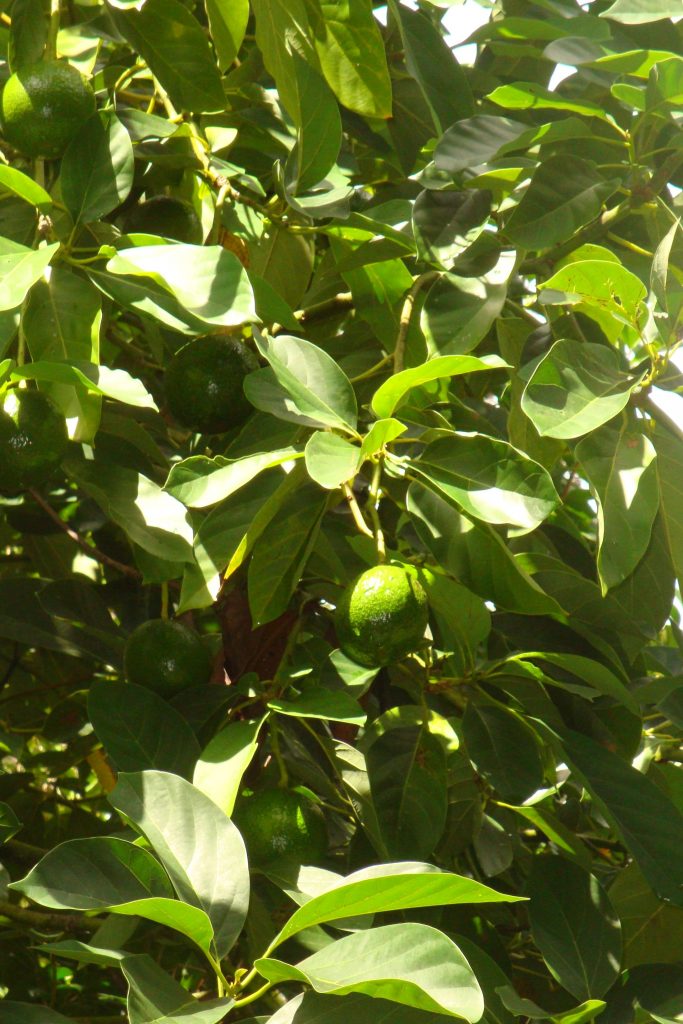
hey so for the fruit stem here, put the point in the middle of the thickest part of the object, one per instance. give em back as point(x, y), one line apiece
point(53, 30)
point(254, 995)
point(164, 600)
point(356, 512)
point(407, 313)
point(374, 497)
point(277, 754)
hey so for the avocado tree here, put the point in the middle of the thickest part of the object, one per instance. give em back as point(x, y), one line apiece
point(341, 512)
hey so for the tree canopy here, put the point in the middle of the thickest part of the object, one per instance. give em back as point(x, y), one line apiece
point(310, 296)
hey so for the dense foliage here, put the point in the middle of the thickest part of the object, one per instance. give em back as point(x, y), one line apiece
point(443, 301)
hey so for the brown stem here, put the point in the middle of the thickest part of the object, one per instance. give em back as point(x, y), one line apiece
point(41, 919)
point(89, 549)
point(406, 315)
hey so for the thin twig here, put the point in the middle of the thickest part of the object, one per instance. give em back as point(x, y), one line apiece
point(89, 549)
point(52, 922)
point(356, 512)
point(407, 313)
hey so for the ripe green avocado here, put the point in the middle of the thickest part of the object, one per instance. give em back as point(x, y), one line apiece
point(33, 440)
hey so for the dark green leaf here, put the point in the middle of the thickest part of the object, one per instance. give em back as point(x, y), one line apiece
point(574, 926)
point(175, 47)
point(141, 730)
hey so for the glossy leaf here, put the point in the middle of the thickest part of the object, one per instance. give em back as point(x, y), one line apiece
point(458, 311)
point(174, 45)
point(222, 763)
point(198, 845)
point(574, 926)
point(649, 824)
point(91, 874)
point(390, 887)
point(281, 553)
point(488, 479)
point(407, 963)
point(331, 460)
point(319, 392)
point(621, 468)
point(576, 388)
point(406, 770)
point(19, 184)
point(352, 56)
point(227, 24)
point(652, 929)
point(200, 481)
point(141, 730)
point(208, 282)
point(97, 168)
point(432, 64)
point(20, 268)
point(504, 749)
point(393, 391)
point(564, 194)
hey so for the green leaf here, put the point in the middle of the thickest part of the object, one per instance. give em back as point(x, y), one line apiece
point(432, 64)
point(319, 129)
point(488, 479)
point(141, 730)
point(311, 1008)
point(116, 384)
point(407, 774)
point(652, 929)
point(317, 702)
point(282, 551)
point(319, 392)
point(200, 481)
point(222, 763)
point(670, 476)
point(92, 874)
point(459, 311)
point(602, 289)
point(227, 24)
point(641, 12)
point(97, 168)
point(155, 997)
point(207, 281)
point(173, 44)
point(280, 28)
point(19, 184)
point(447, 223)
point(389, 887)
point(352, 55)
point(29, 1013)
point(574, 926)
point(531, 95)
point(411, 964)
point(20, 268)
point(649, 824)
point(504, 749)
point(622, 471)
point(475, 140)
point(9, 823)
point(476, 555)
point(198, 845)
point(331, 460)
point(576, 388)
point(150, 517)
point(564, 194)
point(389, 395)
point(28, 33)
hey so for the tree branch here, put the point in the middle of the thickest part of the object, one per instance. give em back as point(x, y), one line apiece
point(53, 922)
point(89, 549)
point(407, 313)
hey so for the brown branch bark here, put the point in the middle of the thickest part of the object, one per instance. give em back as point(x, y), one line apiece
point(90, 549)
